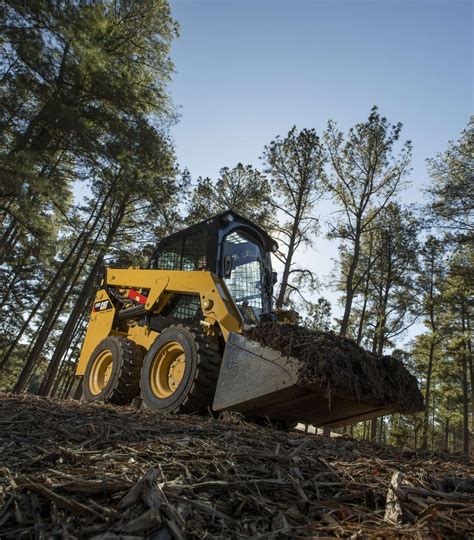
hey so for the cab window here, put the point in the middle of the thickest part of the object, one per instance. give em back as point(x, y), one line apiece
point(243, 274)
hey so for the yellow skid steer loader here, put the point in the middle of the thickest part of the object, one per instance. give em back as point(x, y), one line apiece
point(172, 334)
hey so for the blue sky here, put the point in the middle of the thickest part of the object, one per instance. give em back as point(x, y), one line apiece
point(247, 70)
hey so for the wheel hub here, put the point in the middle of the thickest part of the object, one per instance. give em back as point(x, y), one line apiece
point(167, 369)
point(101, 372)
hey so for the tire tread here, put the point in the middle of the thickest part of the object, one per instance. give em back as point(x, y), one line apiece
point(129, 362)
point(208, 361)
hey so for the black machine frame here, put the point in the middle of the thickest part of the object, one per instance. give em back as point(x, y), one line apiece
point(201, 247)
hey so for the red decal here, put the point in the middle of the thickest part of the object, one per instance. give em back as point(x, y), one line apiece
point(134, 295)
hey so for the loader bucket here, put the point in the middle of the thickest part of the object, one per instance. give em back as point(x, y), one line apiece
point(258, 381)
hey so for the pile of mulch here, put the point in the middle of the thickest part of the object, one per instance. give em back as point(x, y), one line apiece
point(338, 363)
point(77, 470)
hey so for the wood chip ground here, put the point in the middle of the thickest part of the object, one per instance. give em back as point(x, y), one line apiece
point(76, 470)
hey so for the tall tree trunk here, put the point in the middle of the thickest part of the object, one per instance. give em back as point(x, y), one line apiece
point(426, 413)
point(81, 302)
point(69, 263)
point(431, 354)
point(470, 363)
point(465, 407)
point(286, 274)
point(291, 251)
point(373, 422)
point(65, 360)
point(11, 284)
point(64, 366)
point(446, 435)
point(350, 282)
point(78, 391)
point(373, 430)
point(386, 287)
point(65, 337)
point(465, 384)
point(68, 386)
point(8, 239)
point(433, 424)
point(54, 312)
point(382, 431)
point(360, 330)
point(62, 373)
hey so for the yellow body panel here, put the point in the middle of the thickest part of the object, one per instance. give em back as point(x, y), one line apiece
point(100, 326)
point(216, 303)
point(142, 335)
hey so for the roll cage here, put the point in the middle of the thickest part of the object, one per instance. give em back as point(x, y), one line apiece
point(233, 248)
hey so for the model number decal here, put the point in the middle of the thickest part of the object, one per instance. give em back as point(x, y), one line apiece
point(103, 305)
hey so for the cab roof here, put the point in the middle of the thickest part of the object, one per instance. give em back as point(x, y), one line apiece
point(222, 221)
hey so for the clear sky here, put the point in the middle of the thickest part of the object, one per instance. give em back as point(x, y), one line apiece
point(247, 70)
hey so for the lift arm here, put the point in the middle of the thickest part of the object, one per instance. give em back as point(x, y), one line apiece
point(217, 304)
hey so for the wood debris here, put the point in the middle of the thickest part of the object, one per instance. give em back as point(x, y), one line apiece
point(336, 362)
point(77, 470)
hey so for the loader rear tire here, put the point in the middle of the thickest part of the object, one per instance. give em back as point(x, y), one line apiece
point(180, 372)
point(113, 372)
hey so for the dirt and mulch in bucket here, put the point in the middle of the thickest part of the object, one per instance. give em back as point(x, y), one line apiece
point(77, 470)
point(338, 363)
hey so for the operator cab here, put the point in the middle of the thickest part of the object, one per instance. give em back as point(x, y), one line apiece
point(232, 247)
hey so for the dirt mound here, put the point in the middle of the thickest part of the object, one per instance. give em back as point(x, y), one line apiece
point(338, 363)
point(76, 470)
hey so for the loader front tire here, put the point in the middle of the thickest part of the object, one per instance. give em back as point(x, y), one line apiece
point(113, 372)
point(180, 372)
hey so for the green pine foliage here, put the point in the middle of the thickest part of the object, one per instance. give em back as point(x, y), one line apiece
point(242, 188)
point(86, 163)
point(295, 166)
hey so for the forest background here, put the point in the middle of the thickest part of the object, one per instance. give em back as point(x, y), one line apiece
point(90, 177)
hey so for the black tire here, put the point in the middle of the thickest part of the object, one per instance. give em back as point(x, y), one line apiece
point(195, 392)
point(124, 381)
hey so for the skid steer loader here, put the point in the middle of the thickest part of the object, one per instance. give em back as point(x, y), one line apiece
point(172, 334)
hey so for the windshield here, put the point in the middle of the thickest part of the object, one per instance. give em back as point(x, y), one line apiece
point(243, 271)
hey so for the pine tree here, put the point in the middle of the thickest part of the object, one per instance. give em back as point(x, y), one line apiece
point(393, 275)
point(457, 326)
point(86, 102)
point(365, 176)
point(295, 165)
point(452, 190)
point(431, 285)
point(318, 315)
point(241, 188)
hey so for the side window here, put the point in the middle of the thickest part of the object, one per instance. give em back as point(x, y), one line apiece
point(168, 259)
point(195, 251)
point(188, 252)
point(243, 274)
